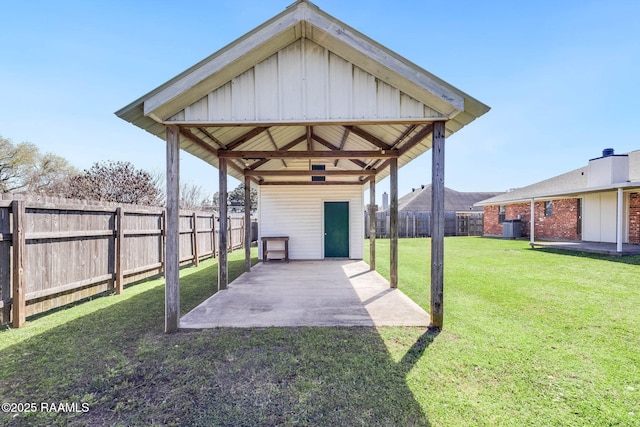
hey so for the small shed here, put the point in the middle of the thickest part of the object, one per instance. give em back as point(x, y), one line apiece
point(312, 113)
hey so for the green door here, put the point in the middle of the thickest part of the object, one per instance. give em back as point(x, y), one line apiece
point(336, 229)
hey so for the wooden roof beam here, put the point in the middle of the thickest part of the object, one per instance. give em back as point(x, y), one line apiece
point(200, 143)
point(362, 182)
point(275, 146)
point(309, 138)
point(211, 137)
point(356, 154)
point(244, 138)
point(345, 136)
point(368, 137)
point(417, 138)
point(310, 173)
point(288, 146)
point(197, 141)
point(332, 147)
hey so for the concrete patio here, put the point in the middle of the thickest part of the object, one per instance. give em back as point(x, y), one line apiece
point(591, 247)
point(307, 293)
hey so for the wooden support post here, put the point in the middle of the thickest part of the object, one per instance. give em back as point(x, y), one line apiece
point(393, 222)
point(372, 224)
point(532, 223)
point(223, 246)
point(172, 239)
point(619, 220)
point(437, 230)
point(18, 305)
point(247, 223)
point(119, 251)
point(196, 255)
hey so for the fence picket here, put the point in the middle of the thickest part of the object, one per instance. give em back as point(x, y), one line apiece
point(77, 249)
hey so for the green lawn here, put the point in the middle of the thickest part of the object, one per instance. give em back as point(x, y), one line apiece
point(531, 338)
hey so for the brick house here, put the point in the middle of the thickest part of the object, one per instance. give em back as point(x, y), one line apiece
point(599, 202)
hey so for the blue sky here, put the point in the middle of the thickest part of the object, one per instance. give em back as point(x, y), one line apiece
point(562, 77)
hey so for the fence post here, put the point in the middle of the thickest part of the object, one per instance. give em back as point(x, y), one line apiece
point(119, 248)
point(213, 234)
point(196, 258)
point(230, 233)
point(18, 305)
point(163, 234)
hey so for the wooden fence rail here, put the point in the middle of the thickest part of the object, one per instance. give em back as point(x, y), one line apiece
point(55, 251)
point(418, 224)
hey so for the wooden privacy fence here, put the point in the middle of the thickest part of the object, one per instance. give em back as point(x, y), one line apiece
point(55, 251)
point(418, 224)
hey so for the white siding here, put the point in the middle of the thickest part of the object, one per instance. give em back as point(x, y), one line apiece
point(599, 217)
point(305, 81)
point(297, 211)
point(267, 89)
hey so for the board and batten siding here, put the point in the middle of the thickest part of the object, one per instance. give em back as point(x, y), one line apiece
point(304, 81)
point(297, 211)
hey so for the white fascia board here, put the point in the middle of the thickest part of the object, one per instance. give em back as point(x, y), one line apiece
point(220, 60)
point(565, 194)
point(386, 58)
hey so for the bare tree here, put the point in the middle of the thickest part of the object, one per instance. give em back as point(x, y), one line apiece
point(50, 175)
point(190, 196)
point(118, 182)
point(24, 168)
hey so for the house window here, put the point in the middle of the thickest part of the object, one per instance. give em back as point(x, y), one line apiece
point(318, 168)
point(502, 211)
point(548, 208)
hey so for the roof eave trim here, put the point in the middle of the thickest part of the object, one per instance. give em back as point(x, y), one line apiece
point(562, 194)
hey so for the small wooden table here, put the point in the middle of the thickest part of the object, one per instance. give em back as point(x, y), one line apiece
point(266, 251)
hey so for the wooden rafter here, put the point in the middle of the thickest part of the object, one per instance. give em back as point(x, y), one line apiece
point(279, 154)
point(412, 142)
point(417, 138)
point(244, 138)
point(310, 173)
point(345, 136)
point(309, 138)
point(361, 182)
point(211, 137)
point(288, 146)
point(197, 141)
point(275, 146)
point(332, 147)
point(202, 144)
point(368, 137)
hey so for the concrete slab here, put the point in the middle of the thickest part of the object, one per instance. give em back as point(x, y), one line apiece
point(592, 247)
point(307, 293)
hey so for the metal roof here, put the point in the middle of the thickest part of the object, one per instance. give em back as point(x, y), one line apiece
point(304, 82)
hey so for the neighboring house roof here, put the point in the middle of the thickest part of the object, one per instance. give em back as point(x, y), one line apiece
point(304, 81)
point(573, 183)
point(419, 200)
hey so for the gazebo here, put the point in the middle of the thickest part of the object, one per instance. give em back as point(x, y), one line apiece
point(305, 107)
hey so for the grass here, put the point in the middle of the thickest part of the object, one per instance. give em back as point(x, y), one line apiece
point(531, 338)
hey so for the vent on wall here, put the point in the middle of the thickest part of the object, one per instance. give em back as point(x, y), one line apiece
point(318, 168)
